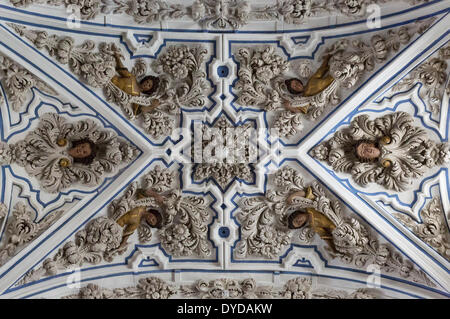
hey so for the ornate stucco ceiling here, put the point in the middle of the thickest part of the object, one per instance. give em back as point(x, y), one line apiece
point(362, 151)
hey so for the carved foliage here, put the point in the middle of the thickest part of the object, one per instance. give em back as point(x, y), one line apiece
point(88, 8)
point(145, 11)
point(224, 288)
point(22, 229)
point(234, 160)
point(42, 154)
point(94, 68)
point(19, 82)
point(215, 13)
point(185, 226)
point(97, 241)
point(264, 230)
point(409, 152)
point(182, 83)
point(432, 74)
point(262, 74)
point(147, 288)
point(301, 288)
point(433, 230)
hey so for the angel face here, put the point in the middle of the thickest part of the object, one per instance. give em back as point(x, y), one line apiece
point(297, 219)
point(149, 84)
point(294, 86)
point(81, 150)
point(153, 218)
point(367, 151)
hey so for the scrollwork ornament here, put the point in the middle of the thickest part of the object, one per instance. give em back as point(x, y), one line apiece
point(402, 151)
point(147, 288)
point(94, 68)
point(22, 228)
point(302, 288)
point(265, 227)
point(218, 14)
point(49, 153)
point(19, 83)
point(185, 218)
point(432, 75)
point(235, 160)
point(263, 81)
point(264, 230)
point(432, 229)
point(98, 241)
point(223, 288)
point(182, 83)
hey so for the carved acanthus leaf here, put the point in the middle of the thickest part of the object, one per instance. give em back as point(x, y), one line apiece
point(432, 75)
point(216, 13)
point(98, 241)
point(224, 288)
point(94, 68)
point(433, 229)
point(297, 288)
point(264, 228)
point(263, 74)
point(185, 218)
point(50, 162)
point(235, 156)
point(19, 83)
point(147, 288)
point(22, 228)
point(302, 288)
point(405, 156)
point(263, 220)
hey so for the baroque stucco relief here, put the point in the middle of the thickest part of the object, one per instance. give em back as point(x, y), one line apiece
point(267, 209)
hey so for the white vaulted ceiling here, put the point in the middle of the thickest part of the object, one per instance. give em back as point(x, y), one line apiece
point(224, 63)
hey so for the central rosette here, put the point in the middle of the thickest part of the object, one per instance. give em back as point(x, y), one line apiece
point(224, 151)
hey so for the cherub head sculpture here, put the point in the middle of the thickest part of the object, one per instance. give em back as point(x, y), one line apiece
point(153, 218)
point(294, 86)
point(149, 84)
point(298, 219)
point(367, 151)
point(83, 151)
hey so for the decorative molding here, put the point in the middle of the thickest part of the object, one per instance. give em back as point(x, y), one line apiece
point(224, 288)
point(219, 14)
point(19, 83)
point(49, 153)
point(185, 219)
point(178, 77)
point(302, 288)
point(433, 76)
point(99, 240)
point(183, 227)
point(94, 68)
point(433, 229)
point(147, 288)
point(402, 152)
point(263, 80)
point(22, 228)
point(265, 231)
